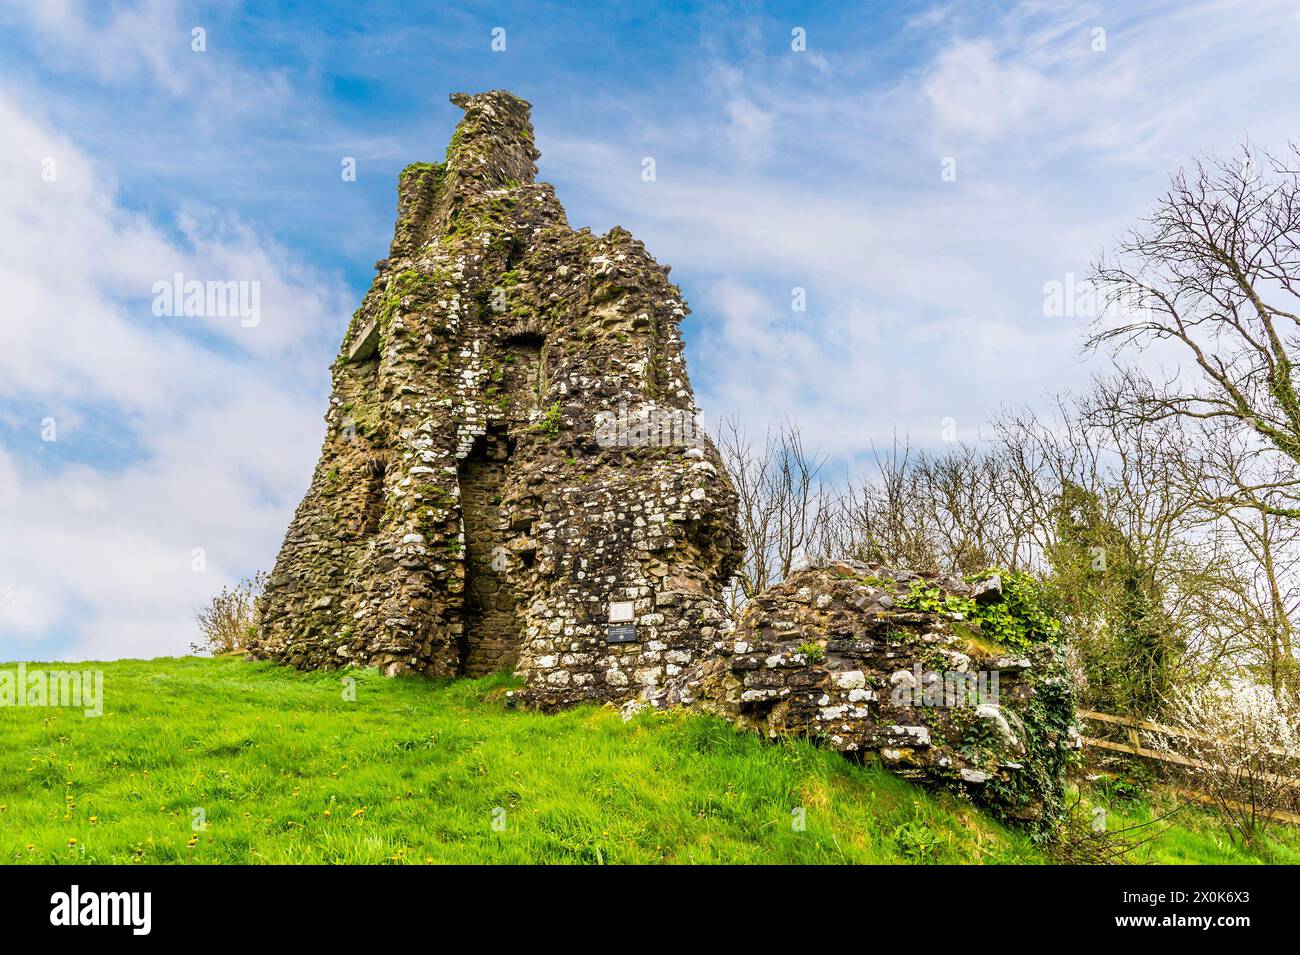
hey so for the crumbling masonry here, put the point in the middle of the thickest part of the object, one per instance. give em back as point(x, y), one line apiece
point(511, 476)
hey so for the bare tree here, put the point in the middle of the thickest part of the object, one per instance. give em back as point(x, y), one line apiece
point(1238, 500)
point(880, 520)
point(1117, 533)
point(961, 512)
point(784, 504)
point(1148, 531)
point(1214, 271)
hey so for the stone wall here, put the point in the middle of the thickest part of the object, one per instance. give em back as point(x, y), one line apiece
point(478, 501)
point(836, 654)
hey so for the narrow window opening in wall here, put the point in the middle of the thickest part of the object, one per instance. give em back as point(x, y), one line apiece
point(514, 251)
point(526, 340)
point(526, 374)
point(373, 512)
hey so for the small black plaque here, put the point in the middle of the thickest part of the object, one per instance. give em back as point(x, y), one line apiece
point(621, 633)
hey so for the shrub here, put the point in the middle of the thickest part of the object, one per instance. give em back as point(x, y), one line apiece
point(917, 842)
point(1083, 838)
point(549, 423)
point(1239, 745)
point(227, 624)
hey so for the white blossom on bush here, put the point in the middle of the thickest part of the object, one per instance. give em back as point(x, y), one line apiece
point(1238, 744)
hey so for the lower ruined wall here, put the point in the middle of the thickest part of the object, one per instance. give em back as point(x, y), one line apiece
point(835, 654)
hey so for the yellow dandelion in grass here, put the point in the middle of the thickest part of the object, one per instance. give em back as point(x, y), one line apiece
point(94, 820)
point(327, 812)
point(72, 842)
point(359, 812)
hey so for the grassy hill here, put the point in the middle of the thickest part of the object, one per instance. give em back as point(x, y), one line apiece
point(285, 769)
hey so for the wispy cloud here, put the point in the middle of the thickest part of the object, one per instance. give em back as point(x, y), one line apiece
point(925, 293)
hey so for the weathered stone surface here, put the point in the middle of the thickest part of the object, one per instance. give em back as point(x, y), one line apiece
point(835, 654)
point(511, 448)
point(511, 457)
point(365, 343)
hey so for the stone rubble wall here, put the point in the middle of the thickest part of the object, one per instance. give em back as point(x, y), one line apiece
point(830, 655)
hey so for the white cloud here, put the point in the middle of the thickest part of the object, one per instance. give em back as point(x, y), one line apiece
point(748, 127)
point(223, 421)
point(975, 95)
point(115, 43)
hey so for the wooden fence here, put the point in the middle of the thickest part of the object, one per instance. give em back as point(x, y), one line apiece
point(1134, 747)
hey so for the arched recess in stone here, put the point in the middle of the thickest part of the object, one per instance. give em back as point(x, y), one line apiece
point(492, 631)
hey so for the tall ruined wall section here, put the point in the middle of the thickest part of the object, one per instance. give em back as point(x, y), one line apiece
point(509, 451)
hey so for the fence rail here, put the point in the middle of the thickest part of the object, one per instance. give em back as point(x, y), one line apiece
point(1135, 748)
point(1135, 741)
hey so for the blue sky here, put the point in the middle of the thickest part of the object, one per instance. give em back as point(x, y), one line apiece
point(819, 169)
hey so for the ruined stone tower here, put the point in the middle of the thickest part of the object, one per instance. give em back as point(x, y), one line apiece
point(511, 475)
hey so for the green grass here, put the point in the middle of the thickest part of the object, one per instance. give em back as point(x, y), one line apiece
point(1192, 835)
point(287, 770)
